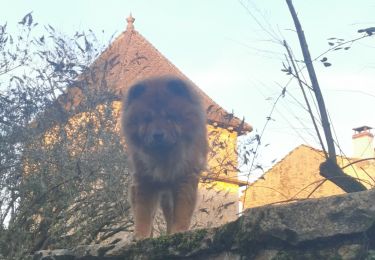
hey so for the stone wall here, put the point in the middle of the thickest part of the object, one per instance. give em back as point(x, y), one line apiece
point(337, 227)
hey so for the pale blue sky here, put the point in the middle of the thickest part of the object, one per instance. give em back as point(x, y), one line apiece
point(223, 50)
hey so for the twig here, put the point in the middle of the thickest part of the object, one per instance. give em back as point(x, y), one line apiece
point(258, 142)
point(361, 160)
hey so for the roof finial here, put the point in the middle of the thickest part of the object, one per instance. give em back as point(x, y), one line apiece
point(130, 21)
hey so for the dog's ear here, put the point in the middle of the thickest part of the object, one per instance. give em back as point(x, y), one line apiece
point(179, 88)
point(135, 92)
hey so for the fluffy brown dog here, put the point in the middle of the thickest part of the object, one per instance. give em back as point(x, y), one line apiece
point(164, 125)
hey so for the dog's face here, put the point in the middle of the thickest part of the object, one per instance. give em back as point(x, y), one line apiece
point(156, 129)
point(161, 114)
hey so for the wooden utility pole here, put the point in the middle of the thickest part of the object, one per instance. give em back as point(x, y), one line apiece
point(329, 169)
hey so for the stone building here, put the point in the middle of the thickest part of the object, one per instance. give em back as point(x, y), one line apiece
point(297, 176)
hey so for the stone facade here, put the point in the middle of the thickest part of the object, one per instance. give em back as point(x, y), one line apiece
point(297, 177)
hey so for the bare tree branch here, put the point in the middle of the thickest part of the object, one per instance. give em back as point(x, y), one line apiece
point(329, 169)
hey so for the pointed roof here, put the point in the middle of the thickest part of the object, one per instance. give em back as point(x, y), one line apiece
point(131, 58)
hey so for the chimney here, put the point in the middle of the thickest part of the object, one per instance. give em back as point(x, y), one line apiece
point(363, 146)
